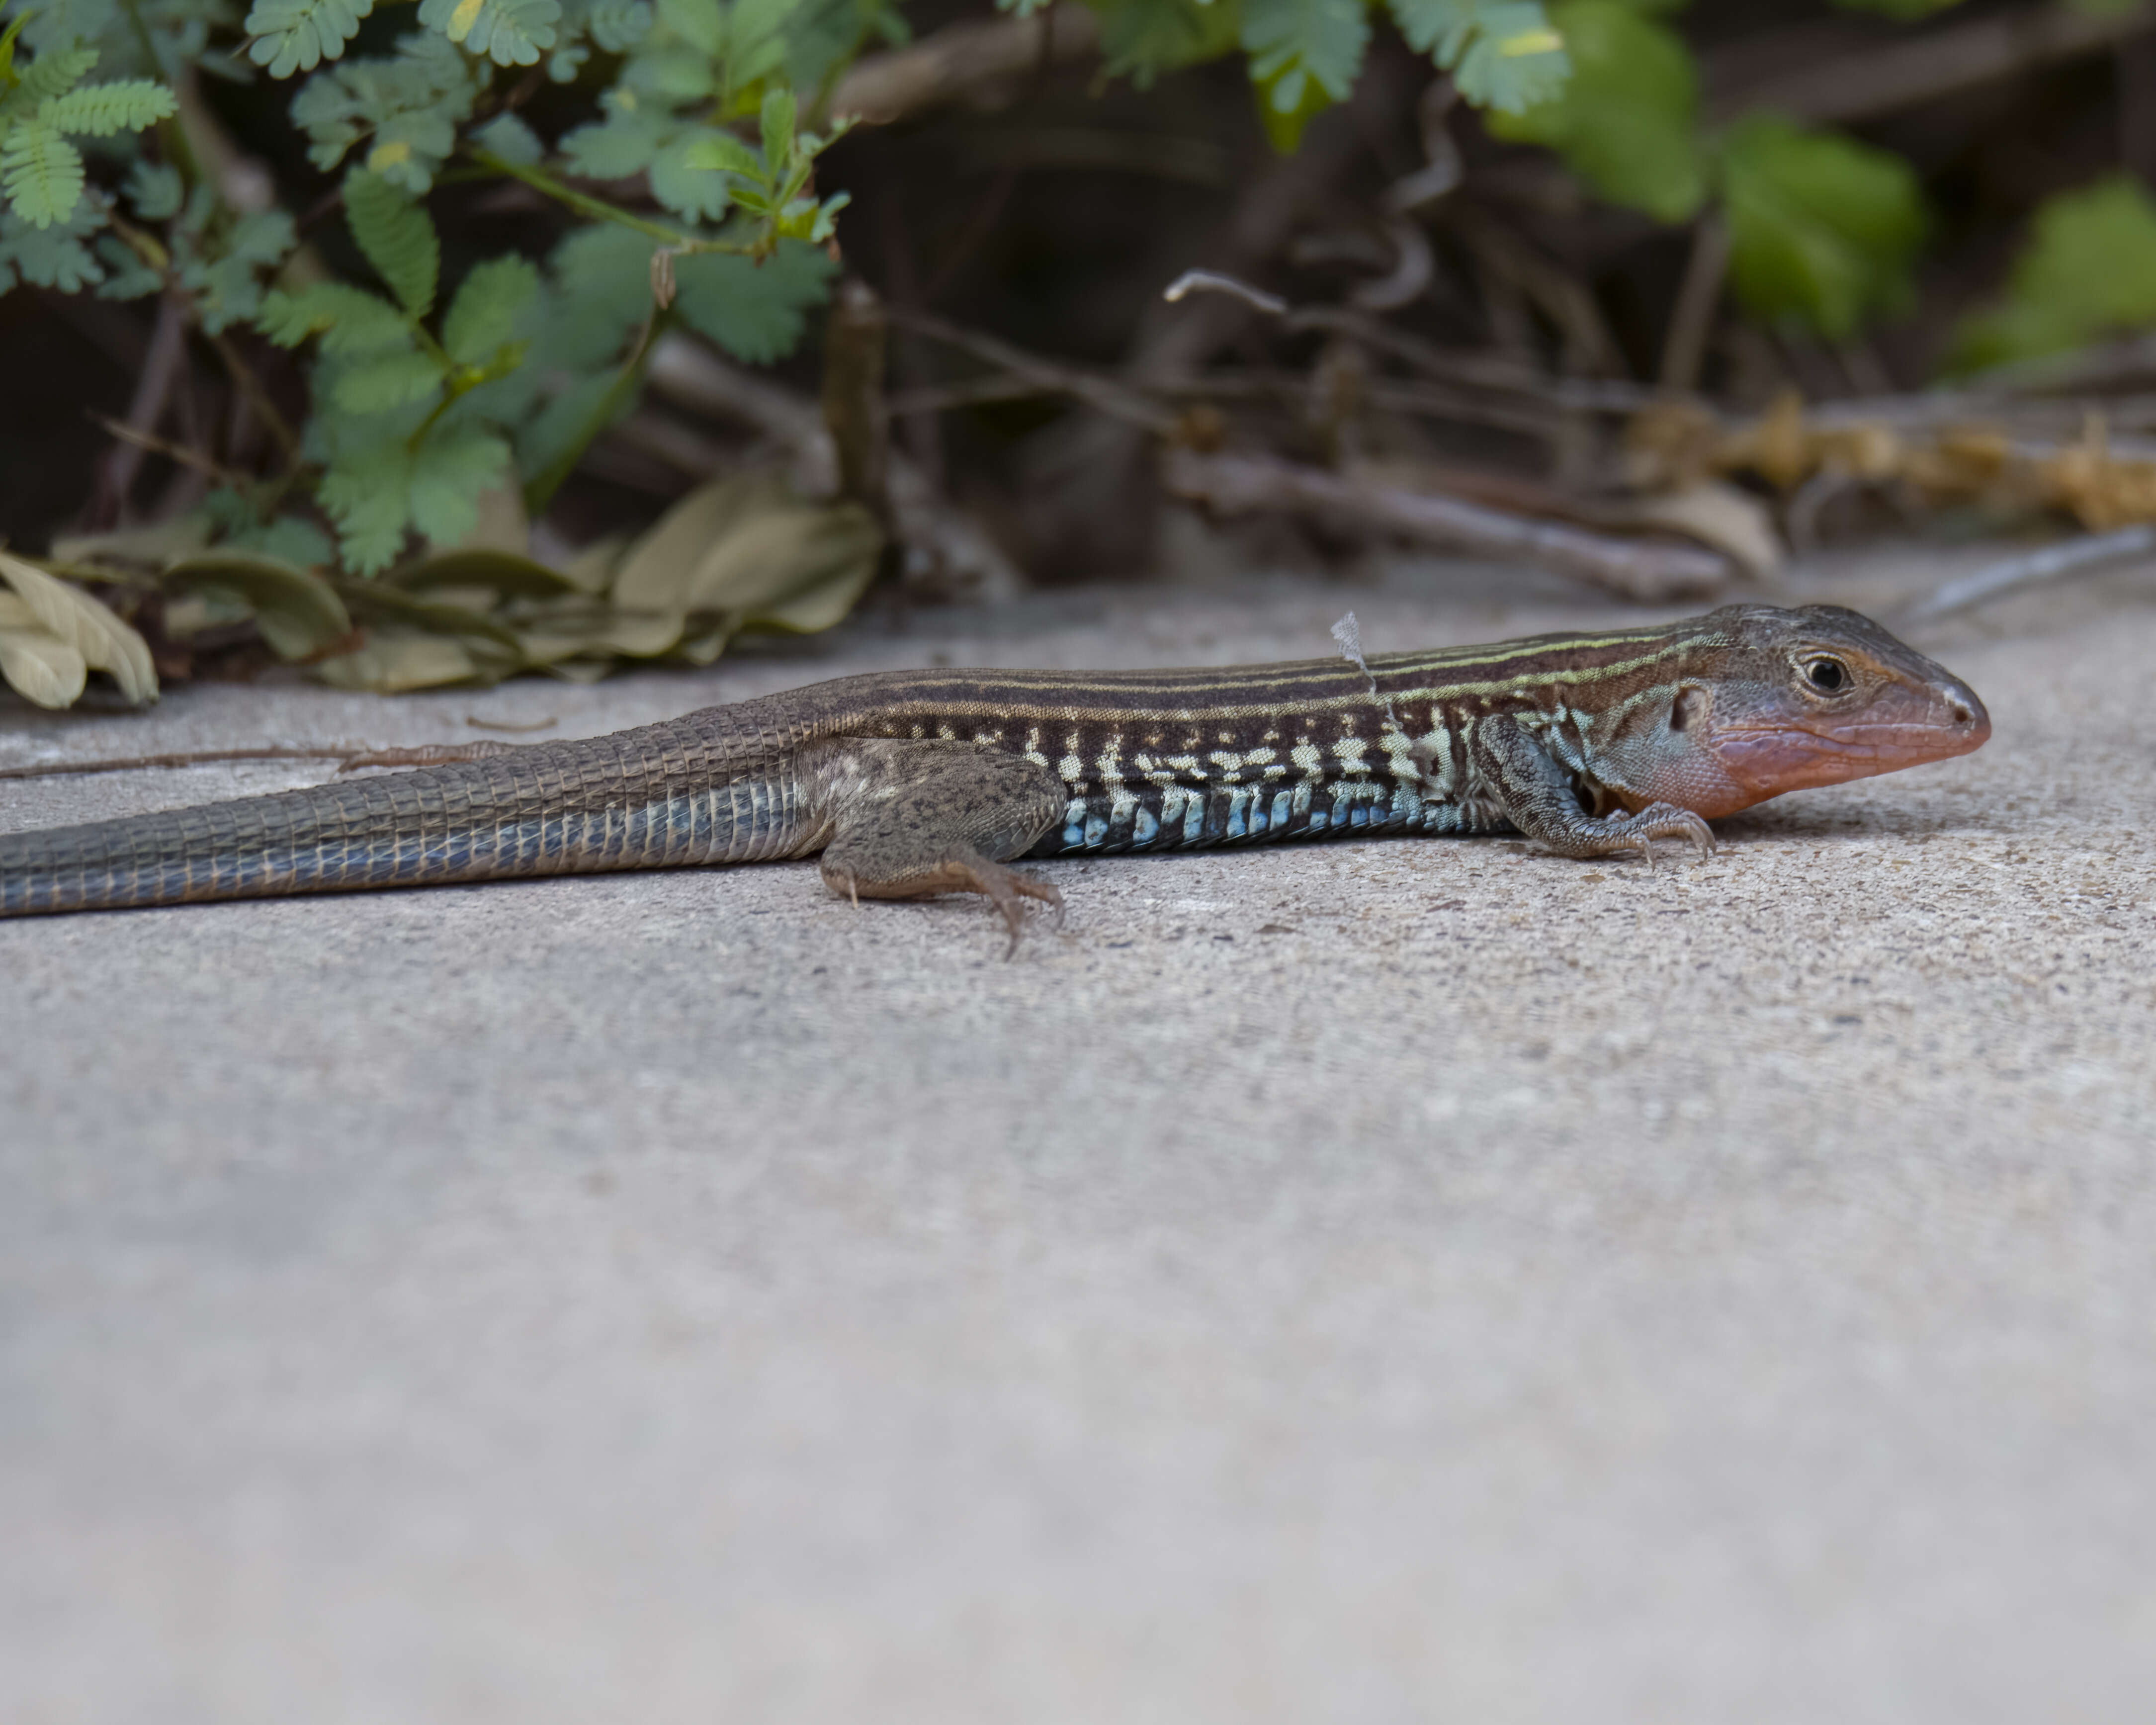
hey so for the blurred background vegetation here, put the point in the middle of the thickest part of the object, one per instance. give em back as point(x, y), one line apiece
point(437, 343)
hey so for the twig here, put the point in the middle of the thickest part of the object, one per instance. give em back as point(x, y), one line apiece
point(205, 757)
point(348, 757)
point(1117, 400)
point(1886, 77)
point(1685, 347)
point(854, 405)
point(935, 532)
point(970, 63)
point(153, 389)
point(1643, 571)
point(2036, 567)
point(186, 457)
point(1473, 371)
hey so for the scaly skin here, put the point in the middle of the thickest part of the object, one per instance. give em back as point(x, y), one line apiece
point(922, 781)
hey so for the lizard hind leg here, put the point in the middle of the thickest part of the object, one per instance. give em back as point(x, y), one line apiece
point(911, 819)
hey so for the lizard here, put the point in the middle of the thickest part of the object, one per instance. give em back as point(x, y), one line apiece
point(911, 783)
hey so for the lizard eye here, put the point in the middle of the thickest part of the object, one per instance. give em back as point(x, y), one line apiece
point(1830, 676)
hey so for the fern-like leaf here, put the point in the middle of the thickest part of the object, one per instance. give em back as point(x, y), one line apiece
point(397, 237)
point(454, 465)
point(156, 190)
point(412, 104)
point(42, 172)
point(484, 316)
point(298, 35)
point(370, 500)
point(755, 312)
point(350, 319)
point(98, 111)
point(511, 32)
point(622, 143)
point(386, 381)
point(57, 72)
point(1503, 53)
point(1290, 41)
point(53, 257)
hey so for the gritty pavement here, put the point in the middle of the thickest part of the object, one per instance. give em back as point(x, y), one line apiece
point(1399, 1280)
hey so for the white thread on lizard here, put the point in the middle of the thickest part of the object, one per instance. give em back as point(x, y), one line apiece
point(1349, 633)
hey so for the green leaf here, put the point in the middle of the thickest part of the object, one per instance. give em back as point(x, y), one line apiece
point(41, 172)
point(1626, 121)
point(350, 319)
point(602, 291)
point(155, 191)
point(684, 187)
point(1503, 54)
point(131, 278)
point(490, 304)
point(2087, 270)
point(777, 121)
point(511, 139)
point(699, 23)
point(621, 144)
point(1142, 39)
point(452, 468)
point(56, 71)
point(1285, 125)
point(1291, 42)
point(52, 257)
point(755, 312)
point(724, 152)
point(289, 541)
point(1823, 229)
point(298, 611)
point(397, 238)
point(409, 105)
point(511, 32)
point(369, 498)
point(224, 276)
point(376, 384)
point(100, 109)
point(298, 35)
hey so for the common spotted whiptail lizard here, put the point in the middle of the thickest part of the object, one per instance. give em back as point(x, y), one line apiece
point(913, 783)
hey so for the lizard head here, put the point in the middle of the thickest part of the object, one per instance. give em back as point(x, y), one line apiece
point(1772, 701)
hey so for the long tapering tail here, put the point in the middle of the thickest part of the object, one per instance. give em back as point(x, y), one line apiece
point(666, 795)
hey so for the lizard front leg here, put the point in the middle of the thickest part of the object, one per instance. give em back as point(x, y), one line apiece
point(1538, 798)
point(909, 820)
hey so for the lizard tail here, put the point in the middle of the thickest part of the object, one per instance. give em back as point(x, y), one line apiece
point(655, 798)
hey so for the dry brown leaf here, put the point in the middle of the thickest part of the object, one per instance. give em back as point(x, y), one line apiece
point(1719, 515)
point(35, 662)
point(656, 572)
point(104, 641)
point(298, 612)
point(395, 660)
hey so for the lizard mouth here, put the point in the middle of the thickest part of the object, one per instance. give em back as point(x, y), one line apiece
point(1774, 756)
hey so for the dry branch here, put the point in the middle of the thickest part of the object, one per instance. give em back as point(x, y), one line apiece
point(976, 64)
point(2036, 567)
point(1885, 77)
point(1644, 570)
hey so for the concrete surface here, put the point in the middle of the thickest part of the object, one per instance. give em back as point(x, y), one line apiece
point(1390, 1282)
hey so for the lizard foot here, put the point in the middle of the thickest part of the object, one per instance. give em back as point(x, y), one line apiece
point(913, 819)
point(1658, 820)
point(1007, 889)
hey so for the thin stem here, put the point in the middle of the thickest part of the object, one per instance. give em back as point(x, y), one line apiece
point(540, 490)
point(175, 452)
point(599, 210)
